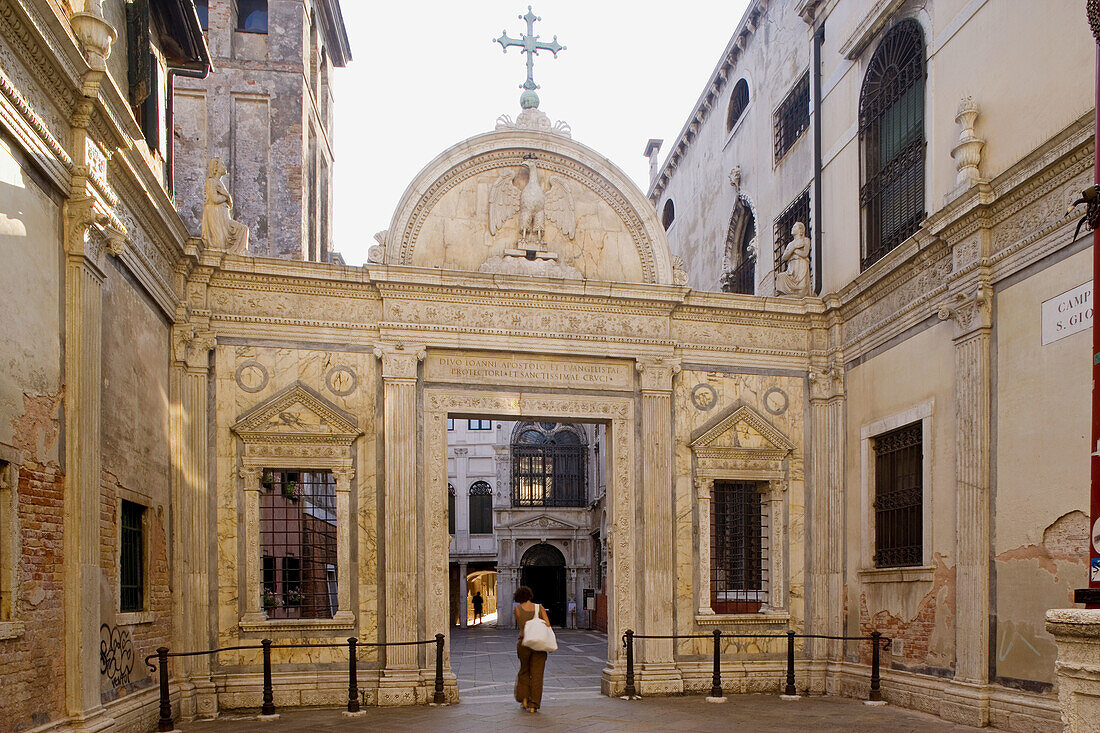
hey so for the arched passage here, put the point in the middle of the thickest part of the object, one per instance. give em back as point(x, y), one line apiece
point(542, 569)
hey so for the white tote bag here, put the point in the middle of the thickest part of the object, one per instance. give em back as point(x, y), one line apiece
point(538, 636)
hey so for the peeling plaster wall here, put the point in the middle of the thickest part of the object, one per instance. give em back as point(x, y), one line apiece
point(32, 664)
point(1041, 537)
point(918, 611)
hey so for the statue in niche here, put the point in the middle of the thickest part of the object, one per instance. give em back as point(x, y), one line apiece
point(794, 279)
point(519, 191)
point(219, 229)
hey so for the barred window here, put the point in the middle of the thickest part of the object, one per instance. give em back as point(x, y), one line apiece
point(451, 508)
point(798, 211)
point(739, 100)
point(738, 542)
point(548, 466)
point(793, 116)
point(899, 500)
point(891, 133)
point(740, 275)
point(481, 508)
point(131, 557)
point(298, 543)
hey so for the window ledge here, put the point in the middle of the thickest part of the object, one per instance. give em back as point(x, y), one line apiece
point(341, 621)
point(781, 618)
point(11, 629)
point(897, 575)
point(134, 618)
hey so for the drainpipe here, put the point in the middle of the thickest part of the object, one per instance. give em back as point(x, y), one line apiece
point(819, 38)
point(169, 168)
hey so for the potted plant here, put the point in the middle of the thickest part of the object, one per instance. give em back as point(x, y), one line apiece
point(293, 597)
point(270, 600)
point(291, 490)
point(267, 480)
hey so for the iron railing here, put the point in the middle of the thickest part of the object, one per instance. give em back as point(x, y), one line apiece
point(165, 722)
point(631, 691)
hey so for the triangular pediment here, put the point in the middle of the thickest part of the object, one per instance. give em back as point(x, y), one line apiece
point(297, 410)
point(743, 429)
point(543, 522)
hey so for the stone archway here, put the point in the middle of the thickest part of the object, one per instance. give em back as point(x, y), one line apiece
point(542, 569)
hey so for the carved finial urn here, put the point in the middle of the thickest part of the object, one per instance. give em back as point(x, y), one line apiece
point(94, 33)
point(968, 152)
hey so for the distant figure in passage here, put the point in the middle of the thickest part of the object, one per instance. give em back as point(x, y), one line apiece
point(218, 228)
point(479, 605)
point(795, 279)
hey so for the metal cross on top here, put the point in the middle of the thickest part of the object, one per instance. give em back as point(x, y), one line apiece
point(531, 45)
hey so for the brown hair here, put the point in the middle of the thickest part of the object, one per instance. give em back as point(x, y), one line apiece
point(523, 594)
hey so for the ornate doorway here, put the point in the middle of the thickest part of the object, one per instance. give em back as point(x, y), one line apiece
point(542, 569)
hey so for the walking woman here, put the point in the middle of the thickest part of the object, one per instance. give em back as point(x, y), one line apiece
point(531, 663)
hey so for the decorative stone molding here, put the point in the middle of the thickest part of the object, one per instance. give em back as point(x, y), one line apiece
point(656, 375)
point(536, 120)
point(94, 33)
point(191, 346)
point(970, 312)
point(400, 362)
point(296, 428)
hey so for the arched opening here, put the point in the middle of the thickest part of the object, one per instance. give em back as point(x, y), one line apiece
point(481, 508)
point(891, 133)
point(739, 100)
point(542, 569)
point(549, 466)
point(668, 214)
point(740, 256)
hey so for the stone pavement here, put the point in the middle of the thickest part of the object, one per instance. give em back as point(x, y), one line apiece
point(484, 660)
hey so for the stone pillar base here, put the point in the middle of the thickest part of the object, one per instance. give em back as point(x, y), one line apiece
point(206, 699)
point(399, 687)
point(966, 703)
point(1077, 633)
point(658, 679)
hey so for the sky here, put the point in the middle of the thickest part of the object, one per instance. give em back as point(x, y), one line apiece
point(426, 75)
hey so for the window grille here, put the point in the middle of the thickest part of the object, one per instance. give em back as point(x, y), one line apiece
point(549, 469)
point(739, 100)
point(451, 508)
point(793, 116)
point(798, 211)
point(298, 543)
point(481, 508)
point(479, 424)
point(891, 133)
point(738, 545)
point(899, 501)
point(131, 558)
point(740, 276)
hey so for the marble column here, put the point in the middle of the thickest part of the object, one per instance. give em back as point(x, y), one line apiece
point(777, 544)
point(703, 493)
point(83, 383)
point(403, 595)
point(190, 498)
point(344, 577)
point(827, 404)
point(657, 514)
point(967, 699)
point(463, 595)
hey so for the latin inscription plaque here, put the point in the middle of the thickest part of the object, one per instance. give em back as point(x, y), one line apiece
point(525, 371)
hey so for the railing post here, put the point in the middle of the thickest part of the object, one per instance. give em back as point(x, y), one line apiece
point(268, 707)
point(716, 678)
point(165, 722)
point(790, 690)
point(876, 691)
point(630, 692)
point(439, 698)
point(353, 677)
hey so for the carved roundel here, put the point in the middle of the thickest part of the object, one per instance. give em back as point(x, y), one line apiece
point(703, 396)
point(251, 376)
point(341, 380)
point(776, 401)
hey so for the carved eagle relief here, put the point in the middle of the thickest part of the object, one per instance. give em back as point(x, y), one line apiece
point(511, 194)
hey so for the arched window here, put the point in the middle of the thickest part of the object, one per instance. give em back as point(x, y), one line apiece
point(668, 214)
point(252, 16)
point(451, 508)
point(738, 101)
point(740, 275)
point(481, 508)
point(549, 465)
point(891, 133)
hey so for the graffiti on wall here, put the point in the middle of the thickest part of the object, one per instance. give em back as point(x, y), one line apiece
point(116, 655)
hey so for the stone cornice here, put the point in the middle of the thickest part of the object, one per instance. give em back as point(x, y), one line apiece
point(710, 94)
point(46, 46)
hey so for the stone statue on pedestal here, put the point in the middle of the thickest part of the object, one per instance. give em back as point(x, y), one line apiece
point(219, 229)
point(795, 278)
